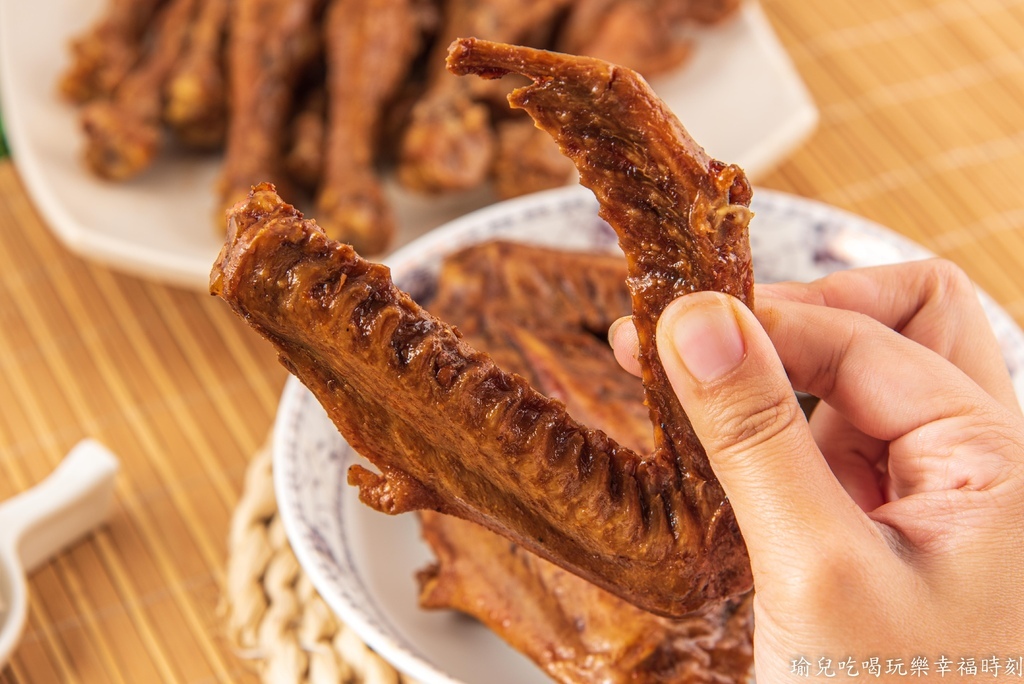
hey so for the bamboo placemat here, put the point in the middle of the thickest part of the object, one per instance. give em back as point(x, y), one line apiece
point(184, 395)
point(922, 123)
point(922, 129)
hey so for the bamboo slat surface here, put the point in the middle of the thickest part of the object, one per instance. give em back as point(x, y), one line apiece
point(922, 130)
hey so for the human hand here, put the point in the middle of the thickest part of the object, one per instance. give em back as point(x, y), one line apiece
point(890, 525)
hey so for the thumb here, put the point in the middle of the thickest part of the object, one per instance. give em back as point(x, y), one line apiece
point(733, 387)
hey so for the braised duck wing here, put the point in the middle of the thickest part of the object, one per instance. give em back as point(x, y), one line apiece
point(682, 221)
point(451, 431)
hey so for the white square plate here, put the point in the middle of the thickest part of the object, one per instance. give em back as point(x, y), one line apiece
point(738, 95)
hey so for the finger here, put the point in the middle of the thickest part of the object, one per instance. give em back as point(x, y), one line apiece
point(945, 432)
point(733, 387)
point(625, 344)
point(857, 460)
point(885, 384)
point(854, 457)
point(931, 302)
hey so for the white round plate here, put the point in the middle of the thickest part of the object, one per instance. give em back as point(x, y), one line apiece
point(161, 225)
point(362, 562)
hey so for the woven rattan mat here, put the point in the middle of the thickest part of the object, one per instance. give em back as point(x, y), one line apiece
point(275, 618)
point(922, 130)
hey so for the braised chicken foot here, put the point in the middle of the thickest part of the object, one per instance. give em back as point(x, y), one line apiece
point(270, 42)
point(196, 107)
point(449, 143)
point(103, 55)
point(350, 203)
point(123, 132)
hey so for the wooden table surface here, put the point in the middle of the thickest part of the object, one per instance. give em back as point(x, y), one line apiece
point(922, 130)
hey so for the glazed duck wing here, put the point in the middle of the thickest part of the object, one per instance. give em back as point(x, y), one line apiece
point(549, 303)
point(504, 281)
point(574, 631)
point(681, 218)
point(450, 430)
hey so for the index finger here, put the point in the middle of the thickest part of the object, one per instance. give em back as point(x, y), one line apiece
point(944, 432)
point(931, 302)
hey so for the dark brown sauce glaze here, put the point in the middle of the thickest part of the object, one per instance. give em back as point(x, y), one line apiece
point(681, 218)
point(453, 432)
point(536, 308)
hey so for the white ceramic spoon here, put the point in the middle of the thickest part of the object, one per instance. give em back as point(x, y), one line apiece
point(37, 523)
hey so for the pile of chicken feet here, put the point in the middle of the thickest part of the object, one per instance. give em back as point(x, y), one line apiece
point(325, 96)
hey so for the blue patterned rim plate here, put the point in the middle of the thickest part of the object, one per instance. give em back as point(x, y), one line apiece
point(362, 562)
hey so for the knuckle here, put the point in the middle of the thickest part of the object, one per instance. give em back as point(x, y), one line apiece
point(948, 281)
point(838, 281)
point(753, 423)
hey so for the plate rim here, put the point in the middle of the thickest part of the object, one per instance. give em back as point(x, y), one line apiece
point(398, 657)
